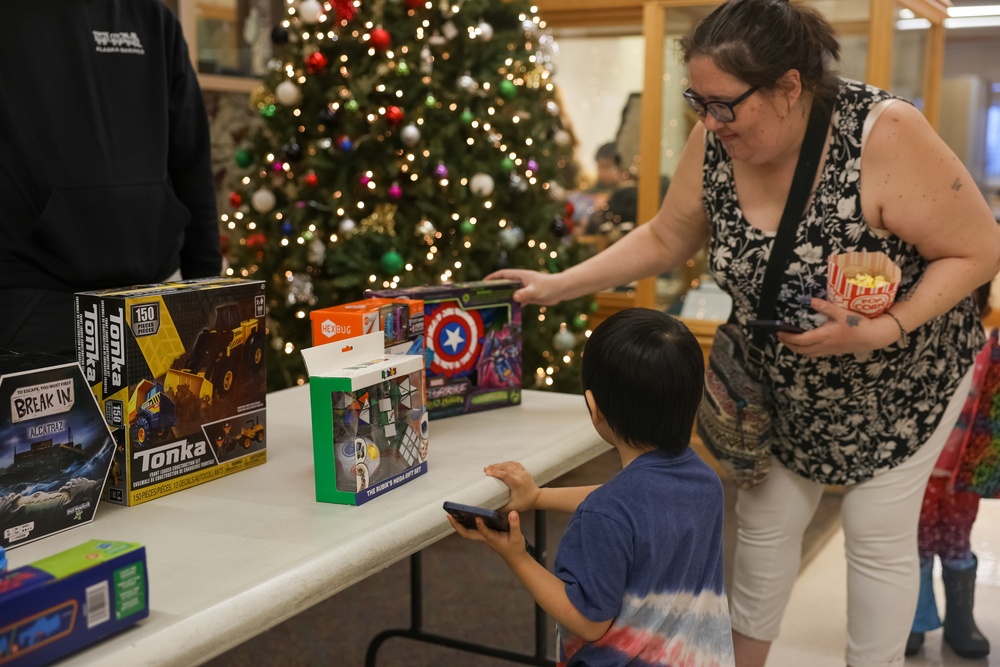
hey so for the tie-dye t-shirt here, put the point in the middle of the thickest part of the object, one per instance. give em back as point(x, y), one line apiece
point(646, 550)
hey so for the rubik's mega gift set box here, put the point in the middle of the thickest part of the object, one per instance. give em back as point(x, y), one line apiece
point(472, 344)
point(55, 449)
point(179, 372)
point(60, 604)
point(369, 420)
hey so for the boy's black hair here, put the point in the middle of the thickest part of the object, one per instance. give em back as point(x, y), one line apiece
point(609, 151)
point(647, 373)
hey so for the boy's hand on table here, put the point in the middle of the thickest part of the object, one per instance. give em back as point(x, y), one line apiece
point(523, 489)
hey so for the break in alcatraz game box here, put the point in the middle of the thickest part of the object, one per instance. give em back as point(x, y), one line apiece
point(60, 604)
point(369, 420)
point(55, 449)
point(182, 380)
point(472, 334)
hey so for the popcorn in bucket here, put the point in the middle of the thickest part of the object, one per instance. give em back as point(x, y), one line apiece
point(865, 282)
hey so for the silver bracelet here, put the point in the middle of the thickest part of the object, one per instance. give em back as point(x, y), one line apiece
point(904, 338)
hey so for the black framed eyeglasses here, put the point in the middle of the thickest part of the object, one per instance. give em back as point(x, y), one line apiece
point(724, 112)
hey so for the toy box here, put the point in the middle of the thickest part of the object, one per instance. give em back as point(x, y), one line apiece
point(55, 449)
point(62, 603)
point(369, 420)
point(472, 334)
point(182, 381)
point(401, 320)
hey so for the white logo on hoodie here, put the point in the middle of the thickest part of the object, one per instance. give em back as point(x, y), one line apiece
point(118, 42)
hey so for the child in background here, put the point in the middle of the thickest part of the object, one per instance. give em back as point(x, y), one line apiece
point(946, 519)
point(638, 577)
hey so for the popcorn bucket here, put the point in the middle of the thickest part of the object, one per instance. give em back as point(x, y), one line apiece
point(869, 301)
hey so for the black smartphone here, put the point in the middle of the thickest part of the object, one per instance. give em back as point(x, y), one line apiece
point(776, 325)
point(466, 515)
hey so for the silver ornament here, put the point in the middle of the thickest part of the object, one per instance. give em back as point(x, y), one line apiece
point(564, 340)
point(409, 135)
point(346, 226)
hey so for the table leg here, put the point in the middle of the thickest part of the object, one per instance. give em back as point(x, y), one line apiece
point(415, 631)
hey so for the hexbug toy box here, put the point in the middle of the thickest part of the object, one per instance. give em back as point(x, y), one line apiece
point(62, 603)
point(400, 320)
point(182, 381)
point(369, 420)
point(472, 334)
point(55, 449)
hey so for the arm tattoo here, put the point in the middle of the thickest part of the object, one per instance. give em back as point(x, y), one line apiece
point(909, 293)
point(957, 185)
point(853, 320)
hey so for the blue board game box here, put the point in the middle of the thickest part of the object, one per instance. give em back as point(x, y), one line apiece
point(472, 336)
point(60, 604)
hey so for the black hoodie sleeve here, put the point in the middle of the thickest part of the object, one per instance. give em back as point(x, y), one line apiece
point(190, 161)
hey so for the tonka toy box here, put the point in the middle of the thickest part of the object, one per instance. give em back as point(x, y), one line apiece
point(472, 334)
point(369, 419)
point(400, 320)
point(62, 603)
point(182, 381)
point(55, 449)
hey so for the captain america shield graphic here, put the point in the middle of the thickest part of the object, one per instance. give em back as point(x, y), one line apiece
point(454, 334)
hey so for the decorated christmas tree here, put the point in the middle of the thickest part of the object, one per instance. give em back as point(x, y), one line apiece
point(406, 142)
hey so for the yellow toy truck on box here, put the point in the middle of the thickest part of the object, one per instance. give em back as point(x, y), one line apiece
point(182, 374)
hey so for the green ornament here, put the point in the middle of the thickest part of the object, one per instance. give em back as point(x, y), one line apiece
point(430, 102)
point(402, 69)
point(307, 235)
point(242, 157)
point(594, 306)
point(351, 105)
point(507, 165)
point(579, 323)
point(467, 227)
point(392, 262)
point(508, 90)
point(467, 117)
point(267, 110)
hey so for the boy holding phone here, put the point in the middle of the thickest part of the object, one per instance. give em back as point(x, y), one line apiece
point(638, 578)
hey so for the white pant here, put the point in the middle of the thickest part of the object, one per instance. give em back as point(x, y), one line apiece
point(880, 519)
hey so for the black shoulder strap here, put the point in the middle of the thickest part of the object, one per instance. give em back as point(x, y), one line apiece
point(784, 240)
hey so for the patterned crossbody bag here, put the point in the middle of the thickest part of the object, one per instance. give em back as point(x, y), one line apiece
point(734, 417)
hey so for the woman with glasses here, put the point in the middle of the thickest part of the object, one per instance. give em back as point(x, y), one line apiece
point(864, 403)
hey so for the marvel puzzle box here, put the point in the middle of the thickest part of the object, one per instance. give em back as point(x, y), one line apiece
point(182, 380)
point(472, 335)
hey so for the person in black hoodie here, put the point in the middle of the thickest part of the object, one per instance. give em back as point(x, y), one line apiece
point(105, 163)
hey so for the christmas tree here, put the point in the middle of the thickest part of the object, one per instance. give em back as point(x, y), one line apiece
point(406, 142)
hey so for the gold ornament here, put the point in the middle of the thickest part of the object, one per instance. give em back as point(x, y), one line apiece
point(381, 221)
point(261, 97)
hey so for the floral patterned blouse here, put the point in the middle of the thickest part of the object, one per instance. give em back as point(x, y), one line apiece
point(838, 419)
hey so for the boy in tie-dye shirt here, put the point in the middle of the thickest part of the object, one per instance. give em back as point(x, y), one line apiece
point(638, 576)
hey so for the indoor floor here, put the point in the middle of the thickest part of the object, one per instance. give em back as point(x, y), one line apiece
point(813, 631)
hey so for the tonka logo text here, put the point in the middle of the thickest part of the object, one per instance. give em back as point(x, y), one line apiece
point(91, 355)
point(175, 452)
point(116, 349)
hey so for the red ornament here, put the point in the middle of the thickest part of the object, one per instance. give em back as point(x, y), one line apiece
point(570, 209)
point(394, 115)
point(416, 4)
point(316, 62)
point(312, 179)
point(255, 240)
point(235, 200)
point(345, 9)
point(380, 39)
